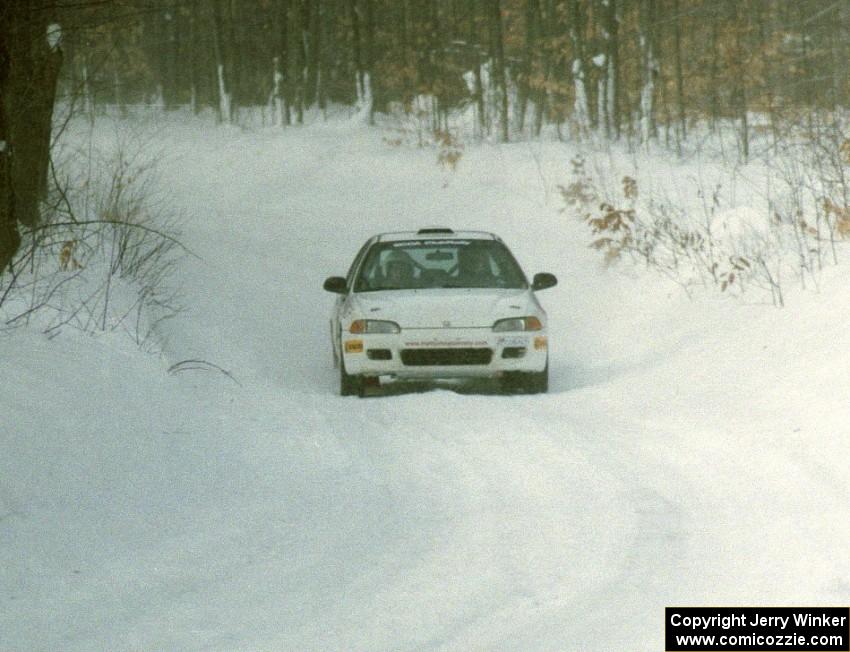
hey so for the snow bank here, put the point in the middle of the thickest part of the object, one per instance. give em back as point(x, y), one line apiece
point(690, 452)
point(740, 225)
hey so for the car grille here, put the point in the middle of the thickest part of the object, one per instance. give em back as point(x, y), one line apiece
point(445, 357)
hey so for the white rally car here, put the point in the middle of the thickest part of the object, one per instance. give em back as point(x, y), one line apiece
point(438, 304)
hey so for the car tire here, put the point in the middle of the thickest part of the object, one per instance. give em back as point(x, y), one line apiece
point(334, 354)
point(533, 382)
point(538, 382)
point(349, 385)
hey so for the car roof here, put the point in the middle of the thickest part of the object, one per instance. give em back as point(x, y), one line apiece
point(435, 234)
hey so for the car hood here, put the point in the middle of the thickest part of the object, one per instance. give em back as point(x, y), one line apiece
point(447, 308)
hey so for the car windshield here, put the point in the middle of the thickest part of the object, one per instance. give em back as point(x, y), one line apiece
point(425, 264)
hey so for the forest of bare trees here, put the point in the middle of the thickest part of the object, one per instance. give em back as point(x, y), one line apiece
point(642, 66)
point(637, 69)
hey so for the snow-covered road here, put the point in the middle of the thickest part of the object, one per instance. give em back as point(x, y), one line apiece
point(688, 453)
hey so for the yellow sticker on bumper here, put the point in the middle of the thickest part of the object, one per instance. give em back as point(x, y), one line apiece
point(354, 346)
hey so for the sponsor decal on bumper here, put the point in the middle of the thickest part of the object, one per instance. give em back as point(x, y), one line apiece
point(447, 343)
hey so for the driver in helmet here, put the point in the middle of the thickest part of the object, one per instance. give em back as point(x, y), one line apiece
point(474, 269)
point(399, 271)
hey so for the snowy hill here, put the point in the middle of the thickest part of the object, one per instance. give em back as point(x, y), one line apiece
point(689, 452)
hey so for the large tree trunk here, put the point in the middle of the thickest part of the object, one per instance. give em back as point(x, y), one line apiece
point(10, 239)
point(33, 71)
point(29, 68)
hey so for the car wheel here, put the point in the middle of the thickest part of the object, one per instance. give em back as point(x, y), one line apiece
point(349, 385)
point(538, 382)
point(518, 382)
point(333, 350)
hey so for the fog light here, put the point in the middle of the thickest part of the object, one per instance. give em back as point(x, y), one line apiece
point(540, 342)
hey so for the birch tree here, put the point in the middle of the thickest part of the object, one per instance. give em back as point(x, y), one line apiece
point(225, 94)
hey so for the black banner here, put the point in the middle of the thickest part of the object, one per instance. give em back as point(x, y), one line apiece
point(709, 629)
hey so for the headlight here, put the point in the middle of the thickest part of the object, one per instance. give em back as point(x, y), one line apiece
point(517, 324)
point(374, 326)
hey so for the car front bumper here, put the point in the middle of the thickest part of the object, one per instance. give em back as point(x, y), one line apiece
point(444, 353)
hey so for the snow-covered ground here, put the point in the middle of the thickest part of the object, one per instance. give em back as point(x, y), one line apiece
point(689, 452)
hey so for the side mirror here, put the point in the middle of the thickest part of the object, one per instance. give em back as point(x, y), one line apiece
point(336, 284)
point(543, 280)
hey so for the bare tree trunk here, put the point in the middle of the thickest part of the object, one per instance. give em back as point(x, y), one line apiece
point(478, 91)
point(740, 86)
point(194, 45)
point(581, 108)
point(542, 93)
point(499, 51)
point(773, 25)
point(370, 57)
point(10, 239)
point(561, 74)
point(649, 69)
point(235, 59)
point(313, 21)
point(682, 131)
point(430, 69)
point(612, 91)
point(284, 60)
point(225, 113)
point(354, 17)
point(30, 59)
point(33, 72)
point(300, 34)
point(406, 53)
point(527, 63)
point(603, 116)
point(663, 98)
point(714, 101)
point(168, 53)
point(840, 40)
point(327, 54)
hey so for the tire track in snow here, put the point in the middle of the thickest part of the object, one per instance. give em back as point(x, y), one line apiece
point(492, 493)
